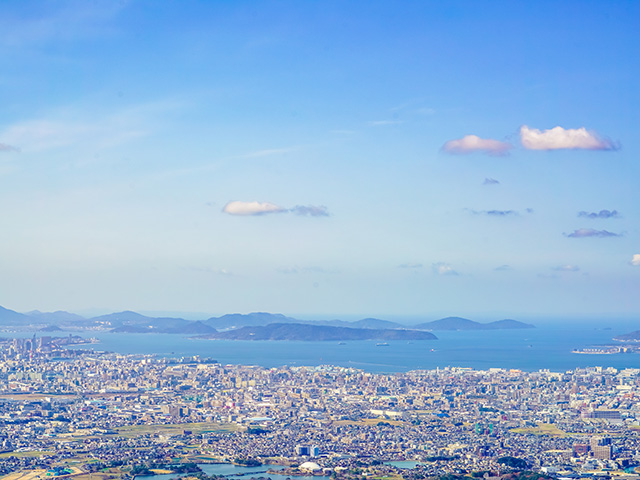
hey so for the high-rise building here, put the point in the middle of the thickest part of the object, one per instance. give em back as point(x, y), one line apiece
point(601, 447)
point(302, 450)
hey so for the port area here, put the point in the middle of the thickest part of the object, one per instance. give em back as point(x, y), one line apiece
point(607, 349)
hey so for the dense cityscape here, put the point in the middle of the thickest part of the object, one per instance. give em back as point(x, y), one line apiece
point(91, 412)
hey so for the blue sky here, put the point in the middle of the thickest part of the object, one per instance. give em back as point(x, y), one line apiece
point(321, 158)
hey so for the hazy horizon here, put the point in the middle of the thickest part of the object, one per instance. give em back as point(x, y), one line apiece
point(408, 320)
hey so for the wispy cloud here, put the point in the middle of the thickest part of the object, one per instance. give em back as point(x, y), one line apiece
point(415, 105)
point(251, 208)
point(442, 268)
point(497, 213)
point(382, 123)
point(590, 232)
point(289, 270)
point(59, 22)
point(216, 271)
point(559, 138)
point(600, 214)
point(426, 111)
point(310, 210)
point(255, 208)
point(500, 213)
point(566, 268)
point(635, 260)
point(71, 127)
point(503, 268)
point(410, 265)
point(8, 148)
point(552, 276)
point(490, 181)
point(343, 132)
point(44, 134)
point(311, 269)
point(270, 151)
point(473, 143)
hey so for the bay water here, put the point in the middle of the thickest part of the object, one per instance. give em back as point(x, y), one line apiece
point(548, 346)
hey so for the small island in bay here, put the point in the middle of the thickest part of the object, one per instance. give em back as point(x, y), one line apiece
point(628, 337)
point(459, 323)
point(306, 332)
point(629, 343)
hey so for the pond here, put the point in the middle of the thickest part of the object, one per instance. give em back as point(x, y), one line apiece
point(406, 464)
point(235, 472)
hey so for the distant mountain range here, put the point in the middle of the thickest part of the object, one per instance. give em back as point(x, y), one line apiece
point(195, 328)
point(59, 316)
point(10, 318)
point(240, 325)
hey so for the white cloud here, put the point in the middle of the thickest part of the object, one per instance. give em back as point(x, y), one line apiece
point(567, 268)
point(262, 208)
point(442, 268)
point(251, 208)
point(635, 260)
point(559, 138)
point(473, 143)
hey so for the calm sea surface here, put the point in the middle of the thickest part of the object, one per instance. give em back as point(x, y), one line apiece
point(548, 346)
